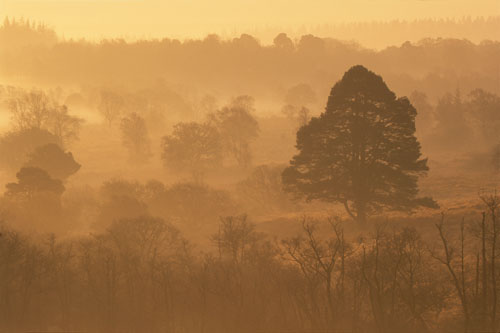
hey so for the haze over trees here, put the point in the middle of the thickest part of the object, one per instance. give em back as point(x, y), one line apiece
point(425, 121)
point(222, 185)
point(262, 191)
point(298, 100)
point(432, 65)
point(41, 111)
point(237, 127)
point(110, 106)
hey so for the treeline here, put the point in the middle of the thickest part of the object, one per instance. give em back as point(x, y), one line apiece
point(380, 34)
point(241, 65)
point(140, 274)
point(16, 34)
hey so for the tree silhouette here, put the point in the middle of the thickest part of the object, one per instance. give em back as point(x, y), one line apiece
point(283, 42)
point(34, 180)
point(54, 160)
point(15, 146)
point(362, 151)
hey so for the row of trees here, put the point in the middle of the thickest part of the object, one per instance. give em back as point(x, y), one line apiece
point(213, 63)
point(23, 34)
point(141, 274)
point(38, 119)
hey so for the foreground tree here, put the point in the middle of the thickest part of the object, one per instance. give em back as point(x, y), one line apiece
point(362, 151)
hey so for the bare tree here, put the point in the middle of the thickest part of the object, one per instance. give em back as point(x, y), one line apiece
point(37, 110)
point(317, 259)
point(64, 126)
point(455, 265)
point(110, 106)
point(30, 109)
point(238, 128)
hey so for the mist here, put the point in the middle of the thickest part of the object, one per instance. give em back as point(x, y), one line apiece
point(249, 167)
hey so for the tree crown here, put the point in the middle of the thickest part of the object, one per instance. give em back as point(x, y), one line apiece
point(361, 151)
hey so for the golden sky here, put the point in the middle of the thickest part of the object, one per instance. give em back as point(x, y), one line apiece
point(96, 19)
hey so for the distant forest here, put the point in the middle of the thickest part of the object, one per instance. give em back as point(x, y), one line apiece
point(33, 53)
point(380, 34)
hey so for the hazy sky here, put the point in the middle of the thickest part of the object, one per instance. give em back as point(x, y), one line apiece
point(182, 18)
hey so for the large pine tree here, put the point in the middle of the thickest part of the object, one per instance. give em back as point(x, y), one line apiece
point(362, 151)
